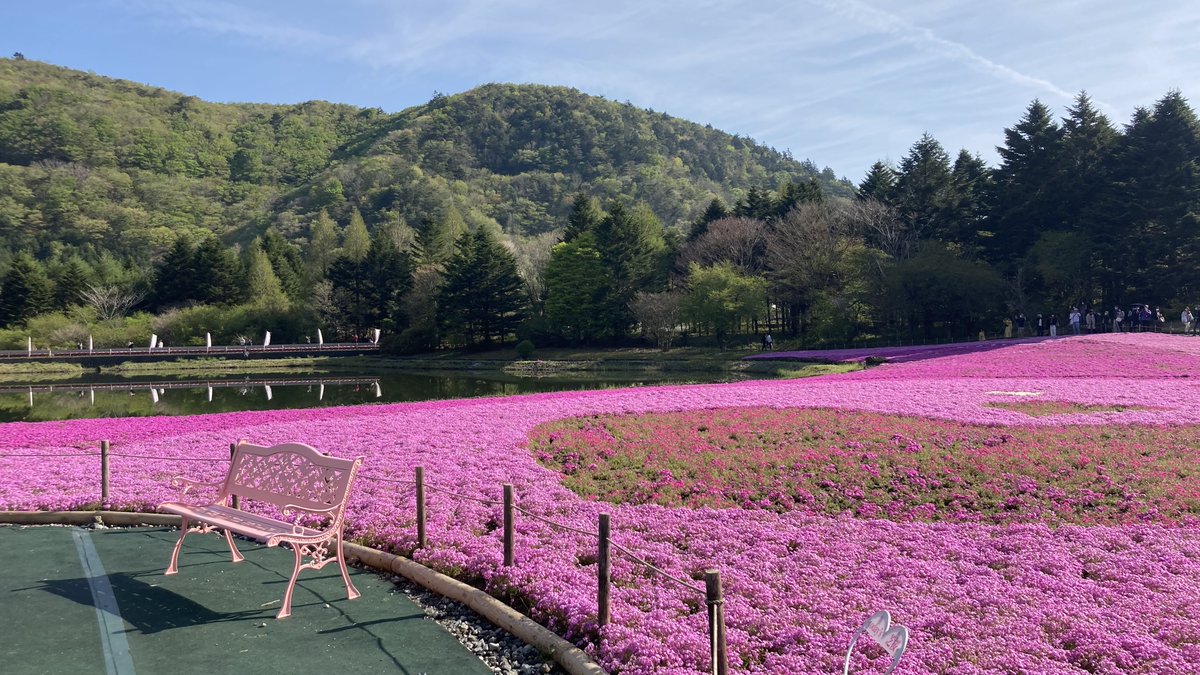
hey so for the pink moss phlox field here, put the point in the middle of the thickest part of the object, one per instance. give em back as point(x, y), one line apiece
point(1121, 355)
point(897, 354)
point(977, 597)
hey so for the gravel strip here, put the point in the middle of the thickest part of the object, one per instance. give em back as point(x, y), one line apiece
point(503, 653)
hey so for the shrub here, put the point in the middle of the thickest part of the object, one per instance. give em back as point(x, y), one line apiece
point(525, 349)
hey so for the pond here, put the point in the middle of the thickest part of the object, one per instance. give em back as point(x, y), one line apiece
point(114, 396)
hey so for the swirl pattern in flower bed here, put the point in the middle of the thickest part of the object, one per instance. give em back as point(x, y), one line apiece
point(830, 462)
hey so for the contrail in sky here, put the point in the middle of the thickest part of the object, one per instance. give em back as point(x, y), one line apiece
point(923, 38)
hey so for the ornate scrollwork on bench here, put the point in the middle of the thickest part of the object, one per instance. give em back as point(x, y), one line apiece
point(296, 479)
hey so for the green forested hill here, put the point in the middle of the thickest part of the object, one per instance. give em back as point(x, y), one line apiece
point(95, 163)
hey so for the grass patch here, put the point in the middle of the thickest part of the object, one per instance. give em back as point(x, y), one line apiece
point(812, 370)
point(1050, 408)
point(214, 365)
point(833, 462)
point(22, 372)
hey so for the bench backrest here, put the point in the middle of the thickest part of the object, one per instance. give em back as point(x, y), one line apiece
point(291, 473)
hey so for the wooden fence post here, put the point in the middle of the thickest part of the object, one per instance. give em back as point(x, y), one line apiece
point(715, 600)
point(420, 507)
point(232, 450)
point(508, 525)
point(605, 575)
point(103, 473)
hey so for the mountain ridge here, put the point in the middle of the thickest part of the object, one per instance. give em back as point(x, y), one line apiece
point(89, 161)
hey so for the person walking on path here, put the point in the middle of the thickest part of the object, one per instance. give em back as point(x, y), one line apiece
point(1007, 327)
point(1021, 324)
point(1186, 319)
point(1074, 320)
point(1053, 325)
point(1091, 321)
point(1041, 325)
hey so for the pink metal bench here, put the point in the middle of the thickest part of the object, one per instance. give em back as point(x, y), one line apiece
point(294, 477)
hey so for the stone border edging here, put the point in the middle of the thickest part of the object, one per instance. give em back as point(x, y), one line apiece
point(571, 658)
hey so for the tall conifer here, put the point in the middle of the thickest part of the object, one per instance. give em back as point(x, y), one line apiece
point(1027, 184)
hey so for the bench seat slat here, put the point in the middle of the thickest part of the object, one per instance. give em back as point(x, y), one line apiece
point(259, 528)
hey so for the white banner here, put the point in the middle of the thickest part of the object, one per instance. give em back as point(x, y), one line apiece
point(92, 395)
point(268, 388)
point(320, 338)
point(376, 340)
point(378, 391)
point(153, 344)
point(208, 340)
point(30, 347)
point(267, 339)
point(89, 343)
point(210, 393)
point(153, 394)
point(320, 393)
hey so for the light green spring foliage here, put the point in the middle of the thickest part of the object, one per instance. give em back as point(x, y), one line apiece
point(356, 242)
point(263, 286)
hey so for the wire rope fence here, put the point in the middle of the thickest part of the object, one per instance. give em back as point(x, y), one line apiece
point(605, 547)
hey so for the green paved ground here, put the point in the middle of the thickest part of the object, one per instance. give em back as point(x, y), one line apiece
point(213, 617)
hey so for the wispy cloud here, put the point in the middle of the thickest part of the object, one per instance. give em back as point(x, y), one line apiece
point(926, 39)
point(230, 19)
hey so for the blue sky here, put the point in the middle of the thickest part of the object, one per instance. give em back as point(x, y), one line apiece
point(840, 82)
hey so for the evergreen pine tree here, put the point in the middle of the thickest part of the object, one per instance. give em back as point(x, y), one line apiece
point(1118, 237)
point(482, 297)
point(1088, 145)
point(219, 276)
point(967, 210)
point(631, 246)
point(794, 194)
point(175, 277)
point(1087, 191)
point(879, 184)
point(758, 203)
point(1164, 188)
point(715, 211)
point(286, 262)
point(924, 188)
point(388, 278)
point(577, 287)
point(1027, 184)
point(25, 291)
point(584, 217)
point(70, 278)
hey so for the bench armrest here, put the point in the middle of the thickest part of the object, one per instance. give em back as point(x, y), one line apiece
point(288, 509)
point(297, 529)
point(186, 485)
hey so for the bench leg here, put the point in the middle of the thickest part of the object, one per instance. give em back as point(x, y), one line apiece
point(286, 610)
point(351, 591)
point(233, 549)
point(183, 532)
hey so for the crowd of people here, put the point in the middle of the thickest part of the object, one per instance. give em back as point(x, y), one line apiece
point(1081, 319)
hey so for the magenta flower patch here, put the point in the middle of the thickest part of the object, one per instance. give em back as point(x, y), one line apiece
point(1047, 592)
